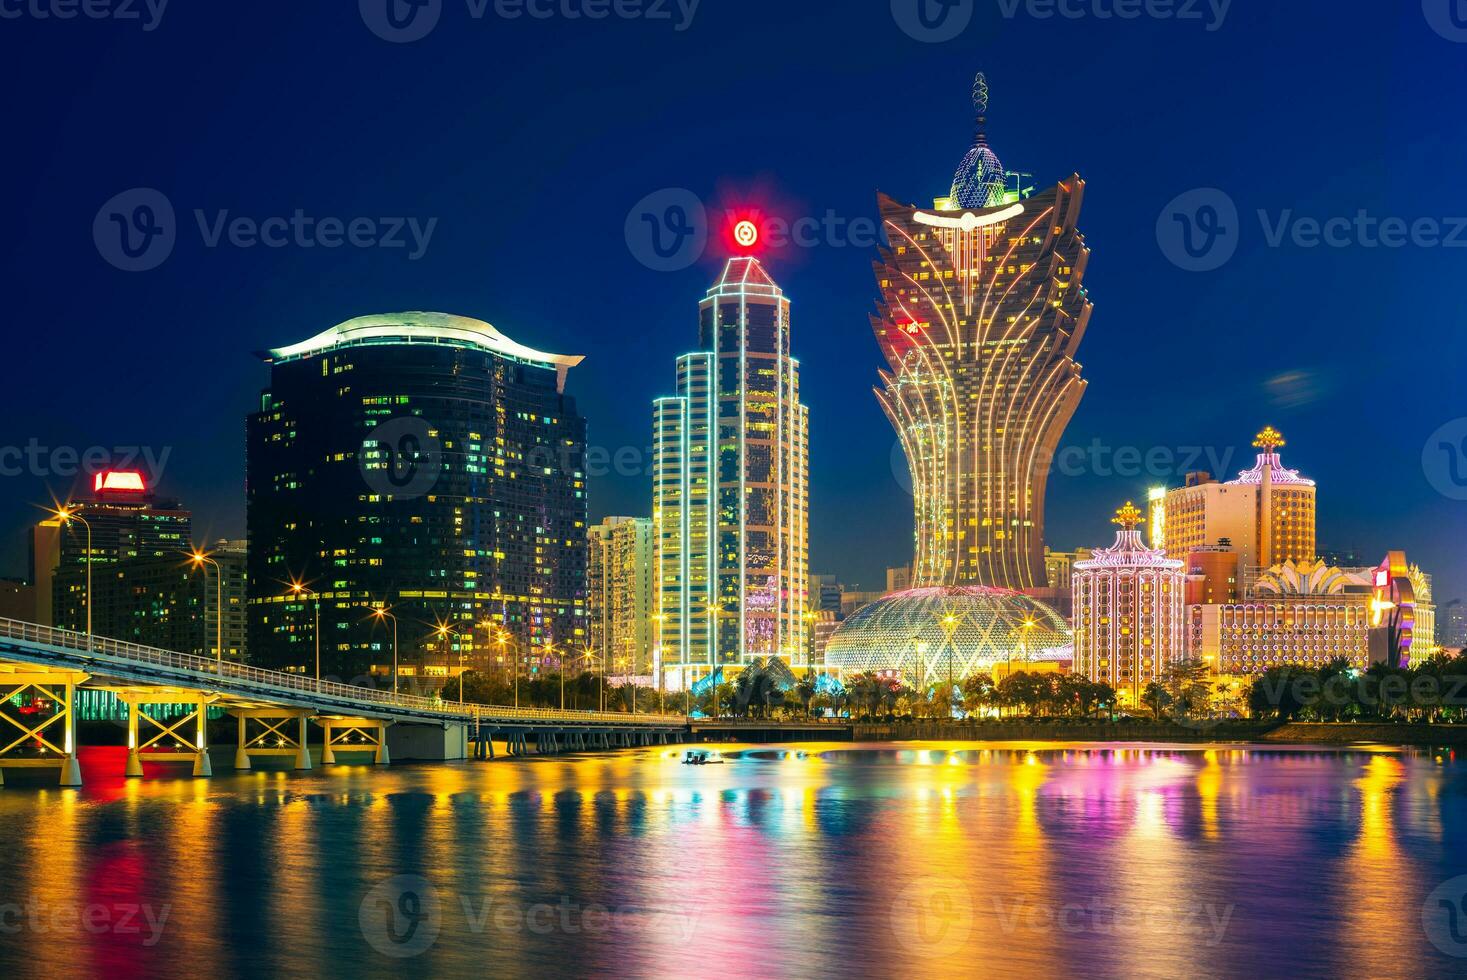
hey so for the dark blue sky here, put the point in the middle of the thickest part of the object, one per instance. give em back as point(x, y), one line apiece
point(530, 140)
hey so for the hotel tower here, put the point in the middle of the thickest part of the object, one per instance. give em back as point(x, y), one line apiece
point(730, 486)
point(981, 314)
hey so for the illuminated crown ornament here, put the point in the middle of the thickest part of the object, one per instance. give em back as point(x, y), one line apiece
point(1269, 440)
point(1128, 517)
point(979, 181)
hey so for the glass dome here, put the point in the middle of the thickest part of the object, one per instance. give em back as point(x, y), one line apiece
point(965, 629)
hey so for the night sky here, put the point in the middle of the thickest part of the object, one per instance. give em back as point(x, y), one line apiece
point(530, 141)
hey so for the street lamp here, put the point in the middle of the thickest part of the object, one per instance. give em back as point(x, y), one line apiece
point(299, 589)
point(444, 631)
point(588, 654)
point(382, 614)
point(67, 514)
point(950, 622)
point(200, 560)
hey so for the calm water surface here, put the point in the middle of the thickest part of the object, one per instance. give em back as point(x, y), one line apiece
point(968, 859)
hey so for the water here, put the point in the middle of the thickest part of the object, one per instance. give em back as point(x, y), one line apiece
point(945, 859)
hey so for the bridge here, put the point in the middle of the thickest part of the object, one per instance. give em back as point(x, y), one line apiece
point(272, 710)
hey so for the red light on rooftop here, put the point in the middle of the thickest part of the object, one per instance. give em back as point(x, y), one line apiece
point(126, 481)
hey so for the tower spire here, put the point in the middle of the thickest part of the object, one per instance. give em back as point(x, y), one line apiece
point(980, 109)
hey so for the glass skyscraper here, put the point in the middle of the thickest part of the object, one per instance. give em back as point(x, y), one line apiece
point(425, 463)
point(731, 486)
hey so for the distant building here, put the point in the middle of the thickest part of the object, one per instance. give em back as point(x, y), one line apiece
point(899, 579)
point(1266, 515)
point(622, 595)
point(1059, 571)
point(853, 600)
point(1129, 613)
point(825, 593)
point(1453, 622)
point(171, 602)
point(18, 600)
point(731, 485)
point(423, 463)
point(1212, 575)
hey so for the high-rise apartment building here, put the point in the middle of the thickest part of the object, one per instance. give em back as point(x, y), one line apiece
point(730, 484)
point(424, 464)
point(621, 598)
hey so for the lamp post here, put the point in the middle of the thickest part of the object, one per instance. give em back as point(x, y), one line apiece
point(300, 590)
point(382, 614)
point(444, 631)
point(67, 514)
point(950, 622)
point(200, 560)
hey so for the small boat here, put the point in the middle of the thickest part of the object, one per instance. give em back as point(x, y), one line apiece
point(699, 757)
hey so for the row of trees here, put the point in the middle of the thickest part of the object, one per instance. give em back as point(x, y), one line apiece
point(1433, 691)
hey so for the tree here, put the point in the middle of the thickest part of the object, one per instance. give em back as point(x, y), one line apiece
point(1156, 698)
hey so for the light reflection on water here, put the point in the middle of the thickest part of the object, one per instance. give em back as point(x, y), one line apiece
point(962, 858)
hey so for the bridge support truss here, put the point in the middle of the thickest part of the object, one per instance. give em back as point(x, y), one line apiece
point(272, 731)
point(53, 737)
point(155, 747)
point(371, 735)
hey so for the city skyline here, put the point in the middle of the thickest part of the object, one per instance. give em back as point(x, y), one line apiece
point(1280, 371)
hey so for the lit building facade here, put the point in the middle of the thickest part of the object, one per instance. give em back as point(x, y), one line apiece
point(981, 314)
point(422, 463)
point(1129, 612)
point(622, 598)
point(731, 485)
point(1454, 624)
point(1266, 515)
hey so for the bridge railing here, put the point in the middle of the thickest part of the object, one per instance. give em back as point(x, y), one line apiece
point(301, 684)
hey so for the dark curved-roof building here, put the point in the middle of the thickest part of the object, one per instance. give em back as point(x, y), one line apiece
point(425, 463)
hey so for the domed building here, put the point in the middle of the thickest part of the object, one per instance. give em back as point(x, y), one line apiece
point(926, 634)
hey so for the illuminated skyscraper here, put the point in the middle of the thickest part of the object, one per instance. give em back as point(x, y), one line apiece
point(622, 598)
point(981, 315)
point(422, 462)
point(1266, 515)
point(730, 485)
point(1129, 615)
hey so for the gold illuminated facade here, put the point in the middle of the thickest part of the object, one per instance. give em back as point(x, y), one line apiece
point(731, 486)
point(1129, 613)
point(621, 598)
point(981, 314)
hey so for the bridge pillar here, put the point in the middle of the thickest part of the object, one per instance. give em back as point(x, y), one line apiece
point(383, 757)
point(202, 765)
point(134, 761)
point(328, 757)
point(241, 757)
point(303, 749)
point(71, 768)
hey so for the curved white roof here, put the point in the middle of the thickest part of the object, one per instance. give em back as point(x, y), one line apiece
point(427, 328)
